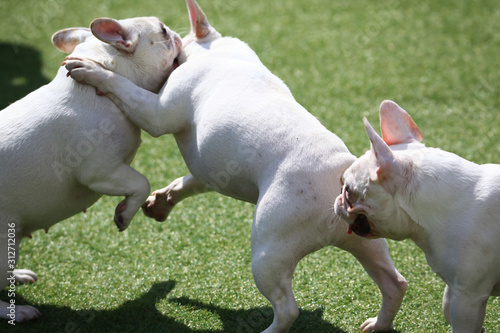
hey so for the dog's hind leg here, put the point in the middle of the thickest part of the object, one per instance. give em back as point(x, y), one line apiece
point(162, 201)
point(9, 245)
point(375, 258)
point(122, 180)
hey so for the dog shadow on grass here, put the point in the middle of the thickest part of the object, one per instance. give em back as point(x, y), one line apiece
point(142, 315)
point(20, 72)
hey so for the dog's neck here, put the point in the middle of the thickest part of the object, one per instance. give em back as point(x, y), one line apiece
point(438, 177)
point(192, 46)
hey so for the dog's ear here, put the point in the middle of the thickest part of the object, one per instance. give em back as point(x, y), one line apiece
point(112, 32)
point(397, 126)
point(382, 160)
point(199, 23)
point(67, 39)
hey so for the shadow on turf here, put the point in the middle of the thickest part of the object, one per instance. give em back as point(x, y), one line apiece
point(20, 72)
point(141, 315)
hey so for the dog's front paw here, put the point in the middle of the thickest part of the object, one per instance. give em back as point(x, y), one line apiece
point(86, 71)
point(25, 276)
point(373, 325)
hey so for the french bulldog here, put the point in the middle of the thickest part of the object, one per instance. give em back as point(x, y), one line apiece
point(242, 134)
point(447, 205)
point(62, 146)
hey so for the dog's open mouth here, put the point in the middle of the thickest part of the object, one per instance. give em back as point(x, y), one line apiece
point(360, 226)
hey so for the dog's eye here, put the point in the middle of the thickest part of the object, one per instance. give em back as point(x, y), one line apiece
point(164, 30)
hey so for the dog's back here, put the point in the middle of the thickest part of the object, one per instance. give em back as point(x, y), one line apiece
point(256, 124)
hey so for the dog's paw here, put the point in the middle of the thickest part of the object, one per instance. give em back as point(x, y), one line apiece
point(86, 71)
point(158, 205)
point(25, 276)
point(26, 313)
point(373, 325)
point(120, 220)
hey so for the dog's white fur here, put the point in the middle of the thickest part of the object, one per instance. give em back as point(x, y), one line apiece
point(62, 146)
point(242, 133)
point(446, 204)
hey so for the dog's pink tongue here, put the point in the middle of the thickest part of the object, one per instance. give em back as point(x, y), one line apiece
point(349, 230)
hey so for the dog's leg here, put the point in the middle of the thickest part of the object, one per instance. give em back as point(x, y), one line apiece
point(273, 267)
point(162, 201)
point(446, 304)
point(9, 276)
point(157, 114)
point(123, 180)
point(375, 258)
point(277, 247)
point(467, 309)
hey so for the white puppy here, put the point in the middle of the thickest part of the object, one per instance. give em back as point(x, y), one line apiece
point(446, 204)
point(242, 134)
point(62, 146)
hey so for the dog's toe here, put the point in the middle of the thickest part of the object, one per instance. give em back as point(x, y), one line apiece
point(120, 223)
point(25, 276)
point(374, 325)
point(120, 220)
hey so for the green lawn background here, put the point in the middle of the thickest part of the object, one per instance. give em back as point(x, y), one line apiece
point(437, 59)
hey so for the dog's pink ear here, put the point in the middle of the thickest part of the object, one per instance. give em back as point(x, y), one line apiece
point(397, 126)
point(112, 32)
point(199, 23)
point(382, 159)
point(67, 39)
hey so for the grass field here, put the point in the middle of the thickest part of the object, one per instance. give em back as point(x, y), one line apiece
point(437, 59)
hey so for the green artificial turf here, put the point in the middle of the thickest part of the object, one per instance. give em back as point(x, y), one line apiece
point(438, 59)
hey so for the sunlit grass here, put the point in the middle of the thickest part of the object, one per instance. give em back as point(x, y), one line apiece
point(437, 59)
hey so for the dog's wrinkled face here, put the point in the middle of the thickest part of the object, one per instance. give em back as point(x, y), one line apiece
point(374, 186)
point(145, 42)
point(147, 37)
point(363, 203)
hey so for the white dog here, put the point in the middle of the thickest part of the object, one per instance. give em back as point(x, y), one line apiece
point(446, 204)
point(62, 146)
point(242, 134)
